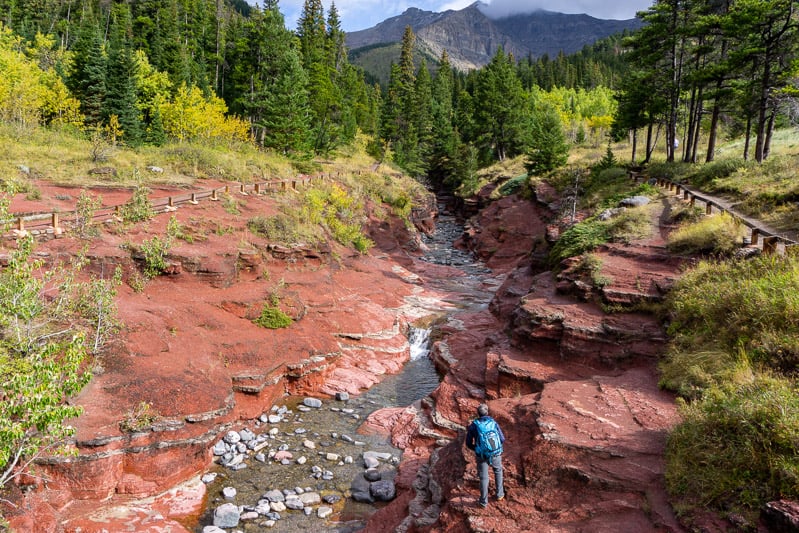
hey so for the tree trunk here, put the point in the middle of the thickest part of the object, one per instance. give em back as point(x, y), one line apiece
point(693, 105)
point(714, 125)
point(762, 112)
point(635, 144)
point(697, 127)
point(769, 133)
point(748, 137)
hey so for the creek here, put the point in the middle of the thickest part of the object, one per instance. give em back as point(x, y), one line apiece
point(335, 458)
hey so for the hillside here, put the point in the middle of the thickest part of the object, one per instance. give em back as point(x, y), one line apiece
point(471, 38)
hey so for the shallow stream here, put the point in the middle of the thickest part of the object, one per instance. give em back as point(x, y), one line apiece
point(326, 451)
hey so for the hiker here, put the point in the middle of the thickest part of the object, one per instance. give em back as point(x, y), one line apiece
point(485, 438)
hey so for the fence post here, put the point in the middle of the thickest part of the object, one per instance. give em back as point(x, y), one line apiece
point(686, 194)
point(770, 245)
point(708, 208)
point(257, 188)
point(214, 197)
point(55, 221)
point(194, 198)
point(755, 235)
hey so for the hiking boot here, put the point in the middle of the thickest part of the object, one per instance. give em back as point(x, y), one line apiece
point(483, 504)
point(500, 498)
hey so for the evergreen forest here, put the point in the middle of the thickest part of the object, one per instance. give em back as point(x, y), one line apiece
point(162, 71)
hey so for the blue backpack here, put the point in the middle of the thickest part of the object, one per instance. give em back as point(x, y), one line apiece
point(488, 442)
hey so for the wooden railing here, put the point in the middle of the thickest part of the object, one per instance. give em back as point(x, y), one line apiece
point(768, 239)
point(54, 223)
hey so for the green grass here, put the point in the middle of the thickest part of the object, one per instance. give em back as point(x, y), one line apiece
point(65, 157)
point(734, 356)
point(751, 305)
point(719, 234)
point(736, 449)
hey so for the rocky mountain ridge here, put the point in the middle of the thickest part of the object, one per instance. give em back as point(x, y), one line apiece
point(471, 38)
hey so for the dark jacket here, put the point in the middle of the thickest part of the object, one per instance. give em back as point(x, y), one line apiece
point(471, 434)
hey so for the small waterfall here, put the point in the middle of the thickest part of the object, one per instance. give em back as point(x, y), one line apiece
point(419, 339)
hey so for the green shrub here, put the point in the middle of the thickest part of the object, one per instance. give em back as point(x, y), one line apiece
point(84, 214)
point(684, 213)
point(720, 234)
point(230, 204)
point(306, 166)
point(362, 243)
point(513, 185)
point(155, 252)
point(604, 188)
point(287, 228)
point(138, 208)
point(578, 239)
point(736, 448)
point(675, 171)
point(273, 318)
point(706, 174)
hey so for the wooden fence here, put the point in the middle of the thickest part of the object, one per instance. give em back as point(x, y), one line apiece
point(52, 224)
point(765, 238)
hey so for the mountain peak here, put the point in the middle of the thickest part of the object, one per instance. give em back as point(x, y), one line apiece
point(472, 36)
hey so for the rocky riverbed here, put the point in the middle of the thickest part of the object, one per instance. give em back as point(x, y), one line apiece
point(574, 388)
point(282, 472)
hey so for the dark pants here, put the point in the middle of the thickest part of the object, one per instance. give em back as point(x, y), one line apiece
point(482, 471)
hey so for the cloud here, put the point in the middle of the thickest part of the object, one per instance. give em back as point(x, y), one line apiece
point(602, 9)
point(362, 14)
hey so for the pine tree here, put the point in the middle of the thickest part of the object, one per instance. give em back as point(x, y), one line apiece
point(443, 146)
point(548, 147)
point(121, 100)
point(278, 100)
point(500, 113)
point(87, 79)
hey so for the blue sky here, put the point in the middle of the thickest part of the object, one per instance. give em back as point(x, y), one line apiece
point(362, 14)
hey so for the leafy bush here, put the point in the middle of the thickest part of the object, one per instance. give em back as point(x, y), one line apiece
point(155, 252)
point(138, 208)
point(273, 318)
point(84, 213)
point(684, 213)
point(719, 234)
point(230, 204)
point(736, 448)
point(605, 188)
point(44, 350)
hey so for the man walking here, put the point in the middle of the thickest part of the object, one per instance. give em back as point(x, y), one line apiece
point(485, 438)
